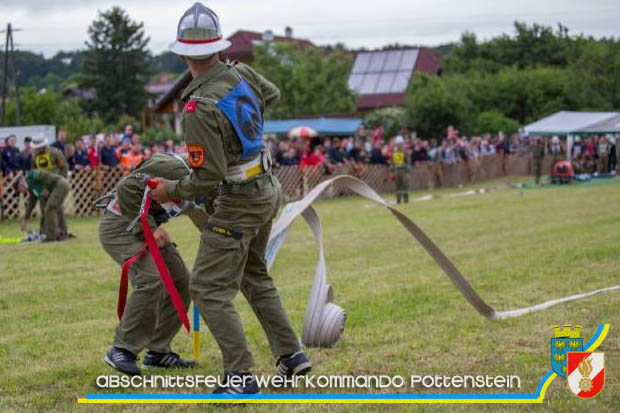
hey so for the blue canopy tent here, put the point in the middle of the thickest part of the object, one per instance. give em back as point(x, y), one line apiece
point(324, 126)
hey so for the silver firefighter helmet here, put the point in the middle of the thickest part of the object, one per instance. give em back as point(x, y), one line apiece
point(199, 34)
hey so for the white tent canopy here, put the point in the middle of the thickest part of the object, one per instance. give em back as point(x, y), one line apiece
point(575, 123)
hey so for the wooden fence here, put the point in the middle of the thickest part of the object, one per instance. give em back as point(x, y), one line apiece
point(88, 185)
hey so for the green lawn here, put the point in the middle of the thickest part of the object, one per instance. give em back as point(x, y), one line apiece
point(404, 316)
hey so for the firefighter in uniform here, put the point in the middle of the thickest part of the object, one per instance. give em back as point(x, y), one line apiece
point(538, 156)
point(400, 166)
point(150, 320)
point(50, 159)
point(50, 190)
point(222, 123)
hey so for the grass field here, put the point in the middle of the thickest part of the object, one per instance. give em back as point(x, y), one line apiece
point(58, 301)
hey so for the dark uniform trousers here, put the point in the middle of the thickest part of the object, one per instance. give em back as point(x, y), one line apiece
point(150, 320)
point(226, 264)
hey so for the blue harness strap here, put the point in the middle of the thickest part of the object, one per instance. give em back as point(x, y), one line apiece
point(242, 109)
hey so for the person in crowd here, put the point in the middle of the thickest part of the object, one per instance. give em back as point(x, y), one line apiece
point(419, 155)
point(108, 153)
point(357, 154)
point(137, 155)
point(127, 133)
point(602, 153)
point(313, 157)
point(26, 154)
point(290, 158)
point(11, 161)
point(613, 159)
point(61, 140)
point(337, 155)
point(69, 153)
point(376, 155)
point(124, 156)
point(556, 150)
point(377, 135)
point(80, 157)
point(93, 151)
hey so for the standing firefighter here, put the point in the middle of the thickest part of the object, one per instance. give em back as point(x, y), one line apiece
point(51, 160)
point(150, 320)
point(538, 155)
point(50, 190)
point(400, 167)
point(223, 129)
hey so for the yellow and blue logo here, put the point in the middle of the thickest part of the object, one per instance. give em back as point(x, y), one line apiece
point(565, 340)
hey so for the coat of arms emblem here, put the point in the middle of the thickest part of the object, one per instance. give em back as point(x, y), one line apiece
point(565, 340)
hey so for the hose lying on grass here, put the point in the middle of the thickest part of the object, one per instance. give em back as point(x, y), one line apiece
point(324, 321)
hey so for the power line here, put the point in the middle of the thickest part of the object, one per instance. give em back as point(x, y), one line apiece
point(9, 64)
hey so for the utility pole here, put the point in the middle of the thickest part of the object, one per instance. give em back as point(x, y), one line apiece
point(9, 54)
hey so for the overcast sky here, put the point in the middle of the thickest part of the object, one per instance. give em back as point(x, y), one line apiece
point(52, 25)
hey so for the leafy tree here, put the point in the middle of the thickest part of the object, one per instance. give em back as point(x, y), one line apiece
point(116, 64)
point(595, 76)
point(494, 122)
point(392, 119)
point(433, 104)
point(48, 108)
point(167, 62)
point(310, 82)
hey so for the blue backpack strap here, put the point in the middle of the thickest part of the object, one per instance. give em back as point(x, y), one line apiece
point(243, 110)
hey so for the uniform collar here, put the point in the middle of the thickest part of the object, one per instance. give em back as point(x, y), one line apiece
point(214, 72)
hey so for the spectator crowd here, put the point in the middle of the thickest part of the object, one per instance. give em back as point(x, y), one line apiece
point(114, 150)
point(371, 147)
point(367, 146)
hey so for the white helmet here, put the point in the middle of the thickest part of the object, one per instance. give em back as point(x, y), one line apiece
point(199, 34)
point(399, 140)
point(555, 139)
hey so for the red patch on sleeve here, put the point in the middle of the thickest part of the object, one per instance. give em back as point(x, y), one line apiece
point(190, 107)
point(195, 155)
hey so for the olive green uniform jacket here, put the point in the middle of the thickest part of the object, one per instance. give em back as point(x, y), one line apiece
point(231, 255)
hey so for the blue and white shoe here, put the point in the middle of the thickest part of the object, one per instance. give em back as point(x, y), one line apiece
point(297, 364)
point(122, 360)
point(168, 360)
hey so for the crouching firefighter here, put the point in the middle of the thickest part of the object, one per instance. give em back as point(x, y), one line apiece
point(51, 190)
point(130, 232)
point(223, 128)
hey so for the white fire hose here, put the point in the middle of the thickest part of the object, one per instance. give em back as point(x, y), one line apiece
point(324, 321)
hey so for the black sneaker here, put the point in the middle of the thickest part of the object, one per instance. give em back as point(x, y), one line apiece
point(296, 364)
point(166, 360)
point(238, 383)
point(122, 360)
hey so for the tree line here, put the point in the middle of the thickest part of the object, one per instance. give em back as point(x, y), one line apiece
point(484, 86)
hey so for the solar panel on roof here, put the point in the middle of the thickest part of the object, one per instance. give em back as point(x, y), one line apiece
point(393, 60)
point(361, 63)
point(369, 84)
point(384, 85)
point(385, 71)
point(401, 82)
point(355, 82)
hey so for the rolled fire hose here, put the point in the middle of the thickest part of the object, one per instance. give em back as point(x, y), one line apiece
point(324, 321)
